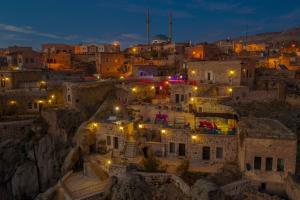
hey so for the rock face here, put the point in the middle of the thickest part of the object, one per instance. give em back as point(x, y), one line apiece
point(169, 192)
point(32, 163)
point(131, 187)
point(24, 181)
point(206, 190)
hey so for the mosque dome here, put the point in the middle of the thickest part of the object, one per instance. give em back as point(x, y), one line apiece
point(160, 39)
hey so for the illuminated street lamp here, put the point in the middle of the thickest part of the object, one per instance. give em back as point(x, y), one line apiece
point(133, 89)
point(12, 102)
point(117, 108)
point(231, 72)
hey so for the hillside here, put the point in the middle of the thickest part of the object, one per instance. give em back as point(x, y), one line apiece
point(292, 34)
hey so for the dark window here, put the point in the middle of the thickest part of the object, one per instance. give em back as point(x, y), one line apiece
point(182, 97)
point(172, 147)
point(116, 143)
point(208, 76)
point(181, 149)
point(32, 60)
point(206, 153)
point(219, 153)
point(35, 105)
point(69, 97)
point(269, 164)
point(108, 140)
point(177, 98)
point(280, 165)
point(257, 162)
point(29, 105)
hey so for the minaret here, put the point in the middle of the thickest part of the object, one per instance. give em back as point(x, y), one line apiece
point(148, 27)
point(170, 27)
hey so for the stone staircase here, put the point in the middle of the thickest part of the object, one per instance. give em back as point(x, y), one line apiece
point(130, 149)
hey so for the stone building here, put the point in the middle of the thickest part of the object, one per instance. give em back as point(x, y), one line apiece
point(16, 79)
point(227, 72)
point(52, 48)
point(23, 58)
point(112, 65)
point(86, 95)
point(267, 152)
point(57, 61)
point(202, 52)
point(92, 49)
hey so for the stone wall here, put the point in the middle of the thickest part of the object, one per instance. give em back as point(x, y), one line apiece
point(292, 188)
point(13, 129)
point(237, 188)
point(243, 94)
point(117, 170)
point(158, 179)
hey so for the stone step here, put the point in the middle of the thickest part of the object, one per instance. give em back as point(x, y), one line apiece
point(130, 150)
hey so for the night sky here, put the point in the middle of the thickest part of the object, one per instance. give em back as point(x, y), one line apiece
point(32, 22)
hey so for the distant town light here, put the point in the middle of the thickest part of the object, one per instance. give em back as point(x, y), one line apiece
point(230, 90)
point(121, 128)
point(194, 137)
point(6, 79)
point(108, 162)
point(12, 102)
point(180, 76)
point(40, 101)
point(49, 101)
point(52, 96)
point(117, 108)
point(193, 72)
point(134, 50)
point(152, 87)
point(169, 77)
point(141, 126)
point(167, 82)
point(121, 77)
point(163, 131)
point(192, 99)
point(195, 88)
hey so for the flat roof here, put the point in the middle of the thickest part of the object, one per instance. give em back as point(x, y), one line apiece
point(264, 128)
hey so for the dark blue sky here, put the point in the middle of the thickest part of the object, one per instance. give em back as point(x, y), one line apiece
point(32, 22)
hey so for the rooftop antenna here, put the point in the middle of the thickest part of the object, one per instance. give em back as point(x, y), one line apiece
point(170, 27)
point(148, 26)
